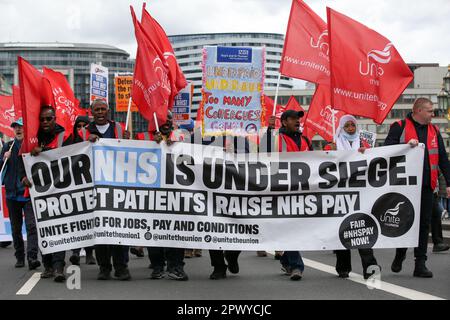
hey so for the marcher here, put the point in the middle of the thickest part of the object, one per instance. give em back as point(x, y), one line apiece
point(287, 139)
point(347, 139)
point(159, 255)
point(50, 136)
point(80, 123)
point(102, 127)
point(415, 129)
point(18, 204)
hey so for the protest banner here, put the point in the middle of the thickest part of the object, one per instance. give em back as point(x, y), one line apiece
point(181, 112)
point(122, 86)
point(233, 81)
point(140, 193)
point(99, 82)
point(369, 137)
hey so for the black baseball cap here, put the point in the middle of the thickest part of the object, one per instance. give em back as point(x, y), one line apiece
point(292, 114)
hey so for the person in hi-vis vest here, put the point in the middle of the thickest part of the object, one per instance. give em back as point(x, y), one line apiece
point(287, 139)
point(415, 129)
point(102, 127)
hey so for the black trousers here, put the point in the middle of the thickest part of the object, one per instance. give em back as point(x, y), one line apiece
point(420, 253)
point(218, 257)
point(104, 253)
point(436, 223)
point(16, 210)
point(344, 259)
point(173, 256)
point(54, 260)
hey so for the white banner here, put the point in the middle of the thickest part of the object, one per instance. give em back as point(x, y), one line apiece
point(192, 196)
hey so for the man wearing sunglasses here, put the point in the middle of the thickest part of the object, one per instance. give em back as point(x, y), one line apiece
point(50, 136)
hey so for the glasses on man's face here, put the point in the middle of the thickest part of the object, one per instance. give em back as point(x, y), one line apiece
point(48, 119)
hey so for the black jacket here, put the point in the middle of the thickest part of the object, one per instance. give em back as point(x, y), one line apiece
point(11, 179)
point(43, 140)
point(394, 135)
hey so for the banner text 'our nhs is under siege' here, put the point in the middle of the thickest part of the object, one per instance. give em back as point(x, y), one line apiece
point(143, 177)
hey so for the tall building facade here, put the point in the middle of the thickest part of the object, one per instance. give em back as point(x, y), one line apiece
point(188, 50)
point(73, 60)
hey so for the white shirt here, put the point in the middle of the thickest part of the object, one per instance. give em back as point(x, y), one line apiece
point(102, 129)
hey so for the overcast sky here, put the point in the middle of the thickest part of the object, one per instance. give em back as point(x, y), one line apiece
point(419, 29)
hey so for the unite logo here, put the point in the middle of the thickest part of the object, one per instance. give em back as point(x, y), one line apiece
point(327, 115)
point(380, 56)
point(158, 66)
point(322, 43)
point(390, 216)
point(9, 114)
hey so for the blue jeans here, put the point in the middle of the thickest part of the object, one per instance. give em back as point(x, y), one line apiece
point(293, 260)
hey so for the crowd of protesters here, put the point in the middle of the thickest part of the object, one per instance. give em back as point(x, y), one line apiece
point(169, 262)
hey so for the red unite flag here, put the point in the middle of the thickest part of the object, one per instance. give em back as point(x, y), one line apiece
point(306, 48)
point(7, 115)
point(151, 90)
point(320, 114)
point(291, 105)
point(65, 103)
point(17, 105)
point(159, 38)
point(35, 91)
point(367, 72)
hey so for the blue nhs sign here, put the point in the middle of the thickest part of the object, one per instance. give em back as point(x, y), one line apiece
point(130, 167)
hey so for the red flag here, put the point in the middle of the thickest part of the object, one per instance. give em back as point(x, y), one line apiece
point(367, 72)
point(319, 118)
point(305, 51)
point(269, 103)
point(17, 105)
point(35, 91)
point(65, 103)
point(159, 38)
point(7, 115)
point(151, 85)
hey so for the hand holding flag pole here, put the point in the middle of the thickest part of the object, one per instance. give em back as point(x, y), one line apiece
point(4, 162)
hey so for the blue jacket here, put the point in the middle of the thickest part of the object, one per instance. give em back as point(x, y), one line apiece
point(13, 186)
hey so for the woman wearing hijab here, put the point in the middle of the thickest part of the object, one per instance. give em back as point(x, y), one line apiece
point(347, 138)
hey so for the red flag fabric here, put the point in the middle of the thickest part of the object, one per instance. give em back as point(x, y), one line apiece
point(64, 101)
point(17, 105)
point(367, 72)
point(151, 85)
point(269, 103)
point(35, 91)
point(305, 51)
point(159, 38)
point(319, 118)
point(7, 115)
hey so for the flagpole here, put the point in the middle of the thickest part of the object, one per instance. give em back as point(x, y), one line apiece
point(276, 95)
point(4, 162)
point(128, 113)
point(156, 121)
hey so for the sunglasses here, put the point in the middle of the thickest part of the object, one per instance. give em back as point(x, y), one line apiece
point(48, 119)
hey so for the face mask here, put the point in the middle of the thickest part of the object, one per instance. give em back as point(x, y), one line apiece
point(349, 137)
